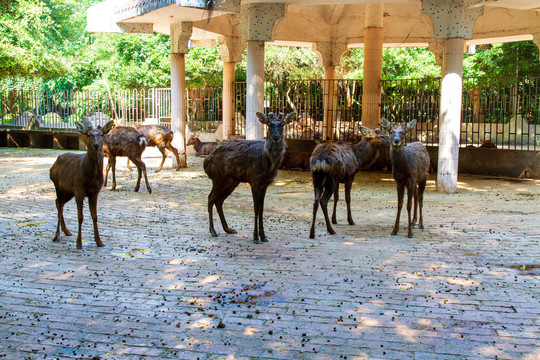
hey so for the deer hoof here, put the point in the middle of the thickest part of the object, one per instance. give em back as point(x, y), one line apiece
point(230, 231)
point(67, 233)
point(394, 233)
point(256, 241)
point(100, 244)
point(312, 234)
point(410, 236)
point(334, 221)
point(214, 234)
point(421, 227)
point(264, 239)
point(79, 247)
point(56, 238)
point(351, 222)
point(331, 232)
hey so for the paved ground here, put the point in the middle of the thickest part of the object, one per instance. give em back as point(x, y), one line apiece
point(162, 288)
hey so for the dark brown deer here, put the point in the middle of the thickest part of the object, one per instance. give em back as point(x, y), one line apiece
point(335, 163)
point(160, 137)
point(80, 176)
point(125, 141)
point(410, 168)
point(252, 161)
point(201, 148)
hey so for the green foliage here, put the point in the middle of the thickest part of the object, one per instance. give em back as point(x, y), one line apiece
point(507, 59)
point(204, 67)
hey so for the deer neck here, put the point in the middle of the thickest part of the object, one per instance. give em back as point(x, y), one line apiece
point(273, 151)
point(94, 163)
point(365, 152)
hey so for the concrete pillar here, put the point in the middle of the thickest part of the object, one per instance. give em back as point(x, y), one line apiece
point(450, 115)
point(536, 39)
point(255, 89)
point(180, 34)
point(258, 21)
point(453, 21)
point(231, 52)
point(328, 120)
point(228, 99)
point(329, 55)
point(373, 46)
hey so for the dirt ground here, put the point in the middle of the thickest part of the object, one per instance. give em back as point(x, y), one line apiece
point(467, 286)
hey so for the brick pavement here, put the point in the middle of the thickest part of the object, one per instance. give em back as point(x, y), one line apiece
point(162, 288)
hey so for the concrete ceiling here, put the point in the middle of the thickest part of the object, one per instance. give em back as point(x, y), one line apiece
point(309, 21)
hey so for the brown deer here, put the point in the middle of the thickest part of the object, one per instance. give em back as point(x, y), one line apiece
point(252, 161)
point(80, 176)
point(410, 168)
point(335, 163)
point(160, 137)
point(125, 141)
point(201, 148)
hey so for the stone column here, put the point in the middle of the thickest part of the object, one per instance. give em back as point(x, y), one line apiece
point(180, 34)
point(536, 39)
point(373, 46)
point(450, 115)
point(329, 55)
point(453, 22)
point(258, 21)
point(231, 52)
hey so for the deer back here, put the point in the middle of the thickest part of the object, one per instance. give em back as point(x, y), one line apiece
point(338, 159)
point(124, 140)
point(156, 135)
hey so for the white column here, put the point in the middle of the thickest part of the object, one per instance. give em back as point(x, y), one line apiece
point(450, 115)
point(178, 106)
point(255, 89)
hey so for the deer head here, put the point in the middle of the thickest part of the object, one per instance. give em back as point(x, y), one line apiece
point(275, 124)
point(94, 136)
point(397, 131)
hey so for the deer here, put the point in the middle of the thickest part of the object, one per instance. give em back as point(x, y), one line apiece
point(410, 168)
point(251, 161)
point(335, 163)
point(160, 137)
point(80, 176)
point(125, 141)
point(201, 148)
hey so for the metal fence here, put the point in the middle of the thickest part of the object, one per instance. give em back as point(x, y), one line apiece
point(500, 111)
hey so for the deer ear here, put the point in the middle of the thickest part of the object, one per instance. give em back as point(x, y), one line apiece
point(82, 128)
point(367, 132)
point(410, 125)
point(290, 118)
point(385, 125)
point(107, 127)
point(262, 118)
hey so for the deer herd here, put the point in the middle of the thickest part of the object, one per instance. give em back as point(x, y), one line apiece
point(230, 162)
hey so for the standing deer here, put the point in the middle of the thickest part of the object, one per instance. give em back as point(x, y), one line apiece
point(161, 137)
point(80, 176)
point(335, 163)
point(125, 141)
point(252, 161)
point(410, 168)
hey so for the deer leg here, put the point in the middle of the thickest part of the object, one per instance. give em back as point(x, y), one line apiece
point(92, 202)
point(421, 188)
point(410, 194)
point(415, 204)
point(348, 187)
point(256, 207)
point(400, 192)
point(262, 195)
point(112, 161)
point(107, 171)
point(328, 191)
point(336, 199)
point(163, 158)
point(211, 201)
point(224, 194)
point(60, 201)
point(318, 191)
point(127, 165)
point(141, 167)
point(80, 216)
point(175, 152)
